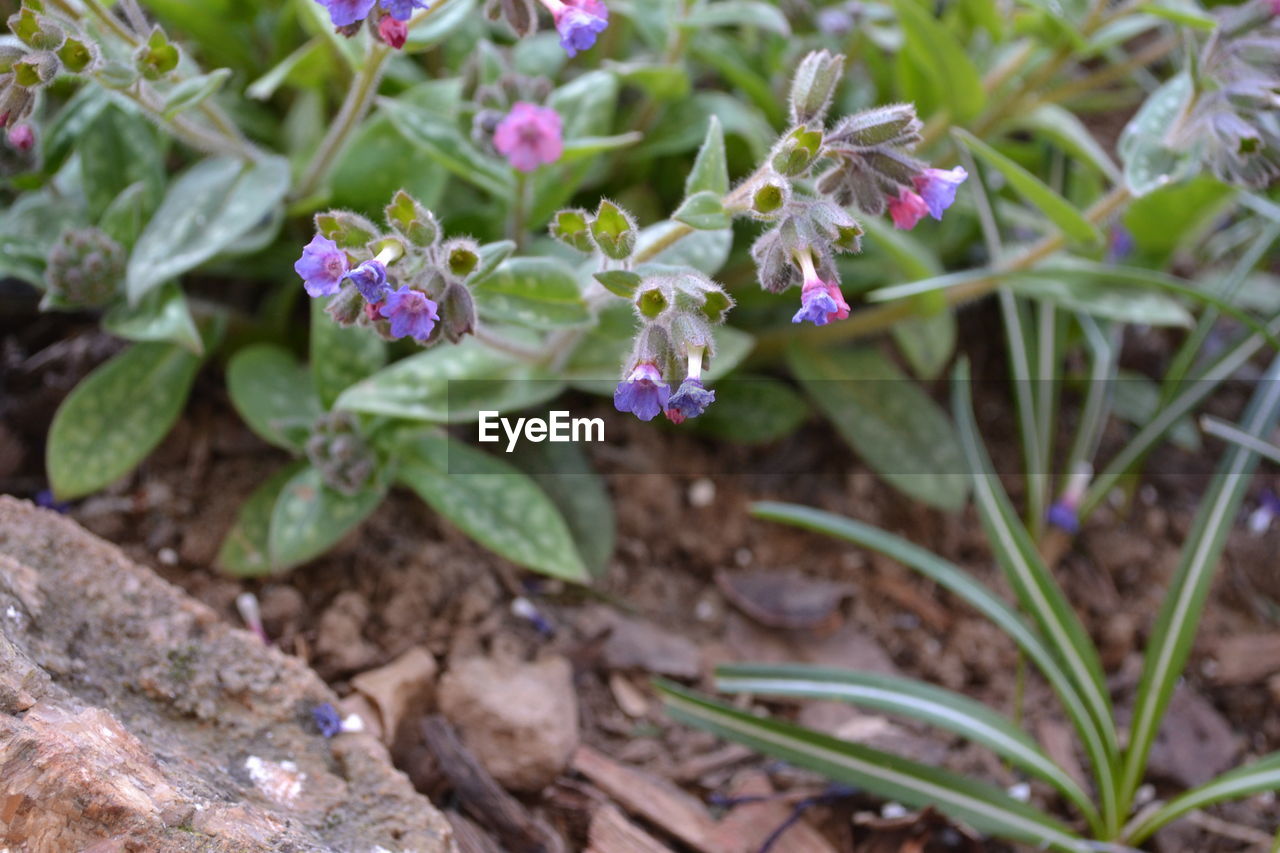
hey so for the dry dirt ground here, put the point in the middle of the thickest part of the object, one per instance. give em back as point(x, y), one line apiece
point(684, 592)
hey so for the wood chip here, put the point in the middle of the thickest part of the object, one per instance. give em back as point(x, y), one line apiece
point(649, 797)
point(784, 599)
point(630, 698)
point(1246, 658)
point(611, 832)
point(405, 685)
point(746, 827)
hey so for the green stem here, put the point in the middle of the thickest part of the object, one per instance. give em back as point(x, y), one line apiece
point(519, 211)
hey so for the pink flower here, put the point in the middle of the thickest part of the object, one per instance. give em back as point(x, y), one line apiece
point(392, 31)
point(907, 209)
point(22, 137)
point(530, 136)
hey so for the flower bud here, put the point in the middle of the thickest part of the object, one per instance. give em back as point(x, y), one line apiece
point(84, 269)
point(520, 15)
point(653, 299)
point(833, 226)
point(16, 103)
point(572, 228)
point(347, 306)
point(35, 70)
point(814, 86)
point(772, 254)
point(691, 332)
point(36, 31)
point(770, 197)
point(411, 220)
point(157, 57)
point(9, 54)
point(348, 230)
point(457, 312)
point(894, 125)
point(461, 255)
point(393, 32)
point(795, 152)
point(614, 231)
point(78, 56)
point(340, 453)
point(22, 137)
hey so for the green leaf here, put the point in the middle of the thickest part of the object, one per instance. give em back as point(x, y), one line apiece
point(272, 392)
point(589, 146)
point(1136, 399)
point(441, 140)
point(565, 474)
point(378, 162)
point(933, 49)
point(710, 171)
point(162, 315)
point(907, 697)
point(117, 415)
point(1060, 212)
point(753, 410)
point(1030, 578)
point(1168, 218)
point(893, 425)
point(341, 357)
point(119, 149)
point(450, 385)
point(619, 282)
point(245, 551)
point(491, 256)
point(977, 804)
point(740, 13)
point(1070, 134)
point(193, 92)
point(705, 251)
point(212, 206)
point(539, 293)
point(1185, 12)
point(127, 213)
point(439, 25)
point(266, 85)
point(1260, 776)
point(1170, 643)
point(1099, 297)
point(309, 518)
point(1148, 163)
point(927, 342)
point(493, 503)
point(1101, 752)
point(704, 211)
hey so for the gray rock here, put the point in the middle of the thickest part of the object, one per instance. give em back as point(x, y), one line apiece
point(133, 718)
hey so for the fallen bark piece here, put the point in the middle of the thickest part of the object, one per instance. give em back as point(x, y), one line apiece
point(611, 832)
point(398, 690)
point(647, 796)
point(133, 718)
point(759, 816)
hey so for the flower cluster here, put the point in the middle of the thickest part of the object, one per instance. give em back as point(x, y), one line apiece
point(579, 22)
point(673, 347)
point(1233, 121)
point(391, 23)
point(340, 453)
point(84, 269)
point(868, 165)
point(46, 50)
point(406, 284)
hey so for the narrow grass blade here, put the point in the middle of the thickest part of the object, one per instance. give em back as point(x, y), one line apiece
point(1235, 435)
point(1099, 741)
point(1261, 775)
point(908, 697)
point(982, 806)
point(1179, 618)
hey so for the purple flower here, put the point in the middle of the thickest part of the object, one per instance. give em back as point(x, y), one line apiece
point(322, 267)
point(530, 136)
point(411, 313)
point(370, 278)
point(579, 22)
point(820, 303)
point(402, 10)
point(344, 13)
point(642, 393)
point(1120, 244)
point(907, 209)
point(938, 188)
point(327, 719)
point(689, 401)
point(1062, 515)
point(45, 498)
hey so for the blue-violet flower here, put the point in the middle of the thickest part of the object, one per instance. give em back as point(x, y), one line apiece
point(689, 401)
point(578, 22)
point(402, 10)
point(370, 278)
point(642, 393)
point(344, 13)
point(938, 188)
point(327, 719)
point(322, 267)
point(411, 313)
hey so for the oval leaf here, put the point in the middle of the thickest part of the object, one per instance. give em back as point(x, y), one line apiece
point(309, 518)
point(539, 293)
point(273, 394)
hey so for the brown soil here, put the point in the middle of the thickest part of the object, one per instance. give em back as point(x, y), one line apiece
point(417, 581)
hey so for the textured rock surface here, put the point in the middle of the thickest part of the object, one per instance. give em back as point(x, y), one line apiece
point(133, 719)
point(520, 719)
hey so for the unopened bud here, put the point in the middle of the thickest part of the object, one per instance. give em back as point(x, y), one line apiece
point(22, 137)
point(461, 255)
point(457, 312)
point(392, 32)
point(814, 86)
point(411, 220)
point(795, 152)
point(78, 56)
point(157, 57)
point(9, 54)
point(348, 230)
point(614, 231)
point(339, 452)
point(653, 299)
point(36, 31)
point(346, 307)
point(84, 268)
point(35, 70)
point(571, 228)
point(770, 197)
point(520, 15)
point(894, 125)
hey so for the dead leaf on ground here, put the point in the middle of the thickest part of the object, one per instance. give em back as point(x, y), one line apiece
point(784, 599)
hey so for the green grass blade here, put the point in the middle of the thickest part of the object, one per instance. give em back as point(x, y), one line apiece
point(1179, 618)
point(1099, 742)
point(917, 700)
point(1261, 775)
point(982, 806)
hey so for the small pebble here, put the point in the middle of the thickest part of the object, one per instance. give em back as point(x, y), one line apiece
point(167, 557)
point(702, 493)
